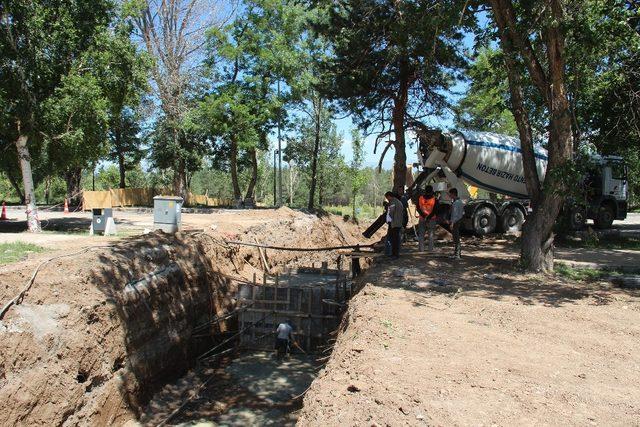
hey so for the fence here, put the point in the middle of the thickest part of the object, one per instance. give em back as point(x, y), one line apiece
point(121, 197)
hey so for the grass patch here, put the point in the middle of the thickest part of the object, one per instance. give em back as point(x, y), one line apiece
point(583, 274)
point(602, 242)
point(12, 252)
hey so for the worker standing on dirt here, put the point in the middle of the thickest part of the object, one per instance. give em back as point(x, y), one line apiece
point(284, 337)
point(395, 218)
point(427, 219)
point(455, 220)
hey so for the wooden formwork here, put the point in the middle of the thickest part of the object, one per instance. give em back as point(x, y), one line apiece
point(313, 299)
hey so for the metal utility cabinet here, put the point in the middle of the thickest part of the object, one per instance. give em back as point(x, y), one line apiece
point(167, 213)
point(102, 222)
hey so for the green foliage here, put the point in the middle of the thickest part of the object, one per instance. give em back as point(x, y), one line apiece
point(356, 174)
point(122, 72)
point(485, 106)
point(77, 120)
point(379, 46)
point(12, 252)
point(173, 141)
point(38, 49)
point(332, 171)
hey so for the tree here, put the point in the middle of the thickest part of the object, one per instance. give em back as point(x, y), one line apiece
point(174, 33)
point(39, 43)
point(391, 62)
point(358, 178)
point(603, 59)
point(232, 116)
point(255, 53)
point(485, 105)
point(515, 27)
point(330, 168)
point(76, 127)
point(122, 73)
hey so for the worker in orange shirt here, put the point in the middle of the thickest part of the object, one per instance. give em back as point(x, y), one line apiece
point(427, 220)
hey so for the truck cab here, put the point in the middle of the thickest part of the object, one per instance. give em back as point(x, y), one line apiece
point(607, 191)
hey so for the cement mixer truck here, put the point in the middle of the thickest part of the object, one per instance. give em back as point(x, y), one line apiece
point(493, 162)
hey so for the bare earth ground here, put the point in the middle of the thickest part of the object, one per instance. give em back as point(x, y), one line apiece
point(71, 231)
point(105, 327)
point(429, 340)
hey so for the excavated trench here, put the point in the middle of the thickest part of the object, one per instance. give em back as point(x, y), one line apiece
point(239, 380)
point(117, 335)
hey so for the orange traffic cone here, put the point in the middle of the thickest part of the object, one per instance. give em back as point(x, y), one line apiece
point(66, 206)
point(4, 212)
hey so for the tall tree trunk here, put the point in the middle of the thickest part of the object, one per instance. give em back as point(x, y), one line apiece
point(520, 114)
point(33, 223)
point(237, 195)
point(317, 112)
point(72, 177)
point(121, 159)
point(291, 182)
point(180, 179)
point(254, 174)
point(400, 155)
point(13, 180)
point(47, 189)
point(353, 205)
point(537, 237)
point(122, 170)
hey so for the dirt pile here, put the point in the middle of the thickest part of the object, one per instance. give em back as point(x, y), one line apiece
point(103, 330)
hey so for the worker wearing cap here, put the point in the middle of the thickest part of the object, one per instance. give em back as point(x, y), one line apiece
point(427, 219)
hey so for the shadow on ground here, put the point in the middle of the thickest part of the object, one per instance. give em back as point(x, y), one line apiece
point(62, 225)
point(485, 272)
point(251, 389)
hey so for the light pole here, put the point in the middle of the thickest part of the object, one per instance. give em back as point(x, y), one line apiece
point(279, 154)
point(275, 178)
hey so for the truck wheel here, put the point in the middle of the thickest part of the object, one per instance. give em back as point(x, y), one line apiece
point(604, 218)
point(577, 218)
point(484, 221)
point(511, 220)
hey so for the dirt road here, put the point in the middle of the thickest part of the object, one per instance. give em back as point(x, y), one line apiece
point(432, 341)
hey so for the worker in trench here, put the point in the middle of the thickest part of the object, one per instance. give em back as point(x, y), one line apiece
point(285, 338)
point(427, 221)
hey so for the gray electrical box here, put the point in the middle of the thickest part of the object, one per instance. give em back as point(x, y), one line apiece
point(167, 213)
point(102, 221)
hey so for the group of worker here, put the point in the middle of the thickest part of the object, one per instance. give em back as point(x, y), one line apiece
point(430, 213)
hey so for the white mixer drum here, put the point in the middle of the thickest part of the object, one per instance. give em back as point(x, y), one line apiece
point(492, 162)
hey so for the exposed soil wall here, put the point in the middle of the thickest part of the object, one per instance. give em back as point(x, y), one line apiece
point(103, 330)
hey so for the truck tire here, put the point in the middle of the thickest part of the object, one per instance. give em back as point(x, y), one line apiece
point(604, 218)
point(511, 220)
point(576, 218)
point(484, 221)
